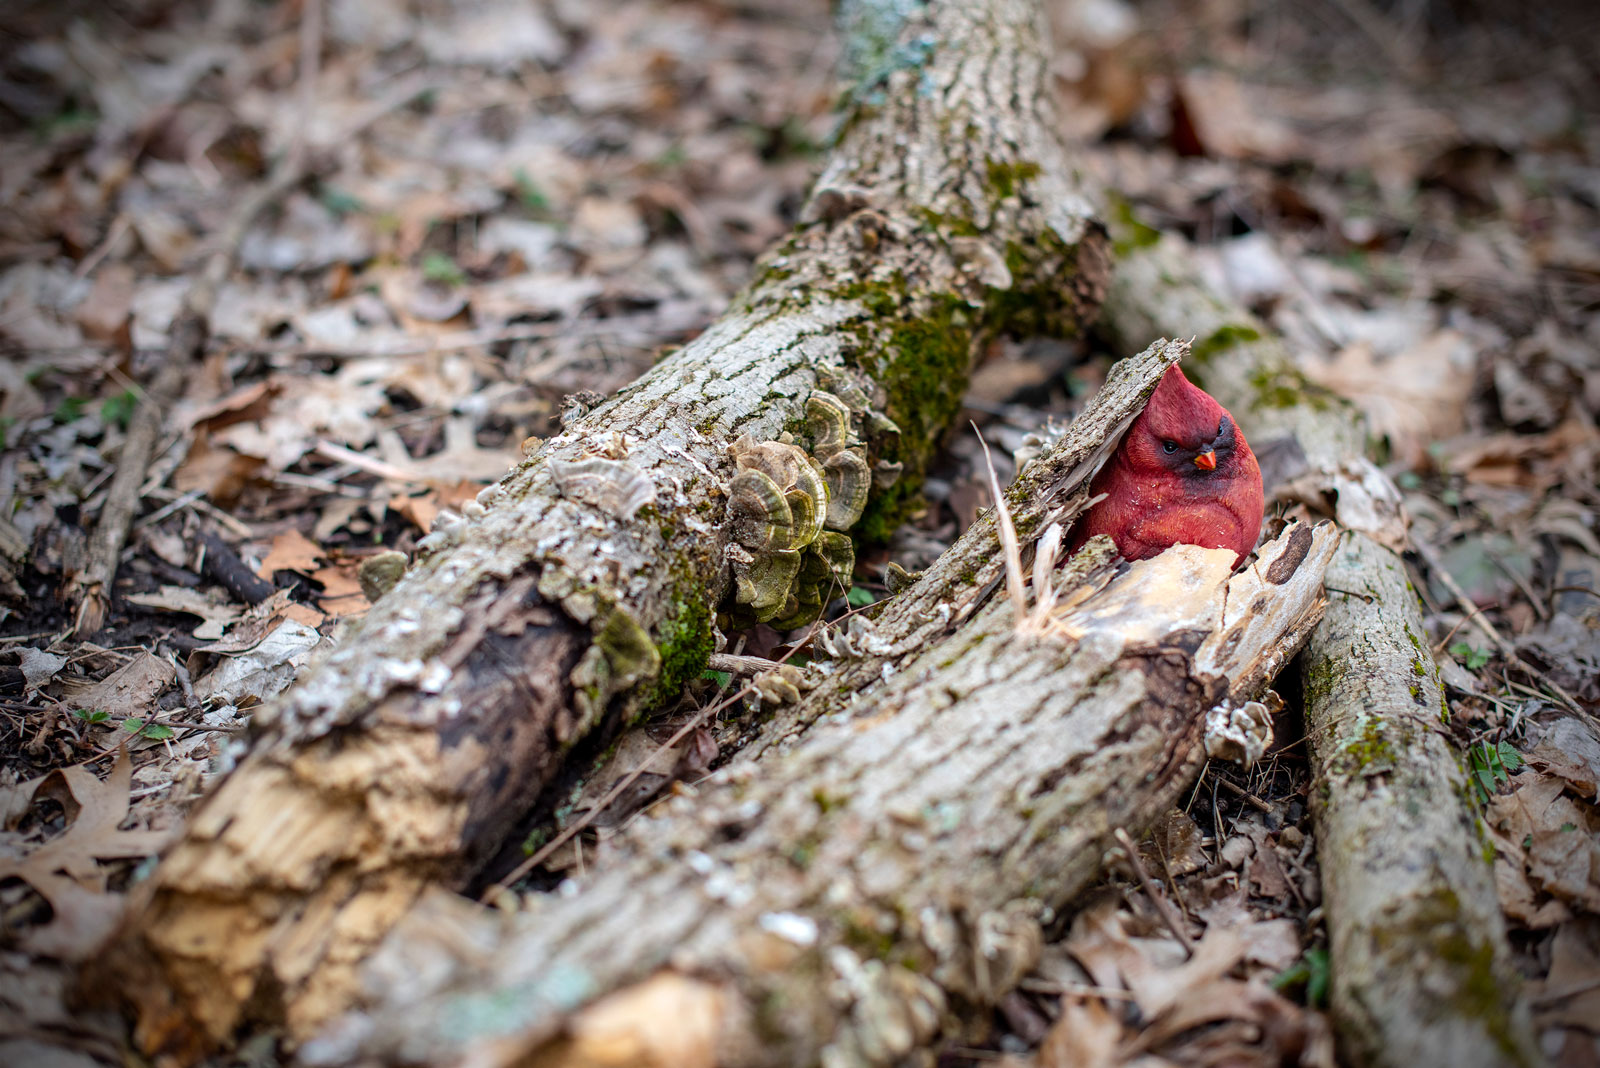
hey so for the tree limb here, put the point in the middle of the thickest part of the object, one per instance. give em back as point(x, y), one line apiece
point(1421, 968)
point(585, 585)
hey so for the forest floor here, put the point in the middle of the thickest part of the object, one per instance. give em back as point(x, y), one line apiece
point(505, 206)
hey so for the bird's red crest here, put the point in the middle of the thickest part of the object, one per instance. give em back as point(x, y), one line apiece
point(1183, 474)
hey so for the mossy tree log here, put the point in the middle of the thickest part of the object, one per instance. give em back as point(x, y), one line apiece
point(835, 896)
point(1420, 964)
point(585, 584)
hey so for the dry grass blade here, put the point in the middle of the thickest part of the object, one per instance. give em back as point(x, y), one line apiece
point(1008, 538)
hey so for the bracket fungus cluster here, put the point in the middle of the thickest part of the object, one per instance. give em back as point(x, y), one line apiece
point(790, 509)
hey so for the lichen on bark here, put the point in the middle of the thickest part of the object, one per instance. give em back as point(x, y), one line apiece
point(577, 591)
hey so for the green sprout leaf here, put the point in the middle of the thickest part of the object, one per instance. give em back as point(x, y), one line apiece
point(119, 409)
point(69, 410)
point(1472, 658)
point(532, 197)
point(1491, 765)
point(155, 732)
point(340, 202)
point(1311, 972)
point(437, 267)
point(860, 597)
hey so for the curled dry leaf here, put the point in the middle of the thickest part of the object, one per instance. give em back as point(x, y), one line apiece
point(129, 691)
point(66, 871)
point(1415, 397)
point(1360, 496)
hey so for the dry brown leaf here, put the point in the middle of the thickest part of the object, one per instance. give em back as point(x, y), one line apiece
point(1267, 873)
point(66, 871)
point(250, 676)
point(1529, 461)
point(105, 313)
point(1541, 832)
point(1413, 398)
point(339, 580)
point(1177, 842)
point(291, 551)
point(1158, 987)
point(341, 591)
point(461, 460)
point(15, 800)
point(1568, 751)
point(246, 403)
point(420, 510)
point(1517, 896)
point(128, 691)
point(1363, 498)
point(1570, 995)
point(38, 666)
point(307, 408)
point(216, 617)
point(667, 1021)
point(220, 473)
point(305, 615)
point(1086, 1036)
point(1230, 119)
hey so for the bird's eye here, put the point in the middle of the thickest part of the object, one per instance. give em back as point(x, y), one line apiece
point(1169, 446)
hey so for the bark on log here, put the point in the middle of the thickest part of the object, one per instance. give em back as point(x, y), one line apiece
point(835, 901)
point(1420, 964)
point(584, 584)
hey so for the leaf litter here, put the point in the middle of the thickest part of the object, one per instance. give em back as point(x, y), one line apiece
point(569, 189)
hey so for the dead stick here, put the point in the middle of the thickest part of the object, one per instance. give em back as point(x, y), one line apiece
point(1505, 648)
point(1169, 915)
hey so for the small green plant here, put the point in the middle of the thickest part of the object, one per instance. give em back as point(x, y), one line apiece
point(437, 267)
point(721, 678)
point(1491, 765)
point(119, 409)
point(860, 597)
point(672, 158)
point(1310, 972)
point(536, 838)
point(340, 202)
point(155, 732)
point(1472, 658)
point(92, 715)
point(534, 202)
point(69, 410)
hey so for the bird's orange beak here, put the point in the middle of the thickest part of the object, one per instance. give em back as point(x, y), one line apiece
point(1206, 461)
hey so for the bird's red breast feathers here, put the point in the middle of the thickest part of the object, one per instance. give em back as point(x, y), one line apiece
point(1183, 474)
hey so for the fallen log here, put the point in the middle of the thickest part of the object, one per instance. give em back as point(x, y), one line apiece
point(586, 584)
point(1420, 965)
point(837, 900)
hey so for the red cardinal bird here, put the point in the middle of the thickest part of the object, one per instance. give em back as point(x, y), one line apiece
point(1183, 474)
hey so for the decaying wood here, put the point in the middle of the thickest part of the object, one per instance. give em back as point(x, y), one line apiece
point(838, 899)
point(587, 580)
point(1421, 970)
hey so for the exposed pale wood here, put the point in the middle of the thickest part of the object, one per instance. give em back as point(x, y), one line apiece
point(836, 900)
point(947, 212)
point(1421, 970)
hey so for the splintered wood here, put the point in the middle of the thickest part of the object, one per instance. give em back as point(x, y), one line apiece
point(585, 585)
point(893, 861)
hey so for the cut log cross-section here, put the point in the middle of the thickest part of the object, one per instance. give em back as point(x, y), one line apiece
point(585, 584)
